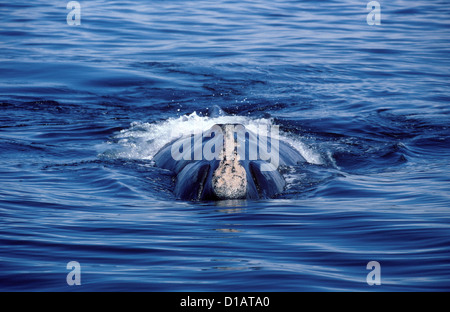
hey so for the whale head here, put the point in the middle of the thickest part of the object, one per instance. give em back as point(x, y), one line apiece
point(226, 162)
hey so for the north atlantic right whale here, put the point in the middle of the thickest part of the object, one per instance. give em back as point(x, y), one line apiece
point(227, 161)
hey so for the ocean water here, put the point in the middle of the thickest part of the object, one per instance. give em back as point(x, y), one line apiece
point(83, 108)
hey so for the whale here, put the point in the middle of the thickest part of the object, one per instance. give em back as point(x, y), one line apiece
point(227, 161)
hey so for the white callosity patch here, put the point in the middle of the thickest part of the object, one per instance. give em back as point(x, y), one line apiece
point(230, 178)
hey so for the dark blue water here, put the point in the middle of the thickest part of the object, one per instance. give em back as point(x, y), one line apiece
point(84, 108)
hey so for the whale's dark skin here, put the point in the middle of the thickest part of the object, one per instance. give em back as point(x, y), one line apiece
point(229, 177)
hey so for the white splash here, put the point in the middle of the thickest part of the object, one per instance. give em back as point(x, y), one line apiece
point(143, 140)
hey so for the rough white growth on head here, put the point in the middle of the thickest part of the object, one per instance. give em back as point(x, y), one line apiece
point(230, 178)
